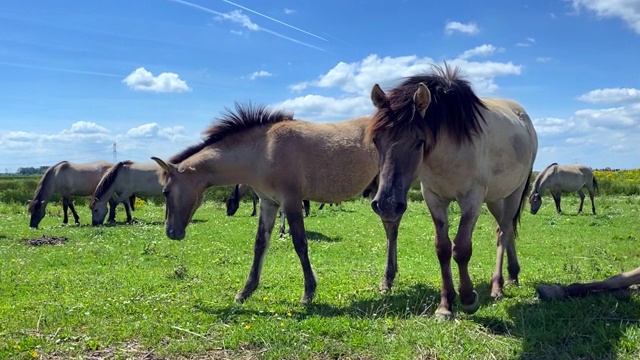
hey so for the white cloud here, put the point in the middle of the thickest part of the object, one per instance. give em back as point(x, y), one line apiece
point(153, 130)
point(611, 95)
point(468, 28)
point(543, 59)
point(482, 50)
point(259, 74)
point(238, 17)
point(143, 80)
point(627, 10)
point(553, 127)
point(528, 42)
point(236, 32)
point(623, 117)
point(353, 82)
point(289, 11)
point(86, 127)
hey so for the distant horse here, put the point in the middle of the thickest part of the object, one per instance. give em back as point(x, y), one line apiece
point(461, 148)
point(563, 178)
point(284, 160)
point(125, 180)
point(617, 282)
point(68, 179)
point(238, 192)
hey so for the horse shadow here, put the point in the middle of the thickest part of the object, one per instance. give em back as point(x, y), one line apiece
point(320, 237)
point(416, 300)
point(582, 328)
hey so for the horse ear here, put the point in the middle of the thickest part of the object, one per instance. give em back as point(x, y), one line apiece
point(162, 164)
point(422, 98)
point(378, 97)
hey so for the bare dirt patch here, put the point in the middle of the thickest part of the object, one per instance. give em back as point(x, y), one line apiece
point(45, 240)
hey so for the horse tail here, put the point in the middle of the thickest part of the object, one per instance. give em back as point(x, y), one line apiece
point(523, 198)
point(595, 184)
point(132, 202)
point(43, 190)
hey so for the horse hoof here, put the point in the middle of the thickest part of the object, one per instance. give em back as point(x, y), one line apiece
point(443, 315)
point(306, 299)
point(497, 294)
point(384, 286)
point(550, 292)
point(473, 307)
point(240, 299)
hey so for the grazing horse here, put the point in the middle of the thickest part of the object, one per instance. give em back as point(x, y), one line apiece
point(284, 160)
point(68, 179)
point(461, 148)
point(617, 282)
point(238, 192)
point(126, 180)
point(563, 178)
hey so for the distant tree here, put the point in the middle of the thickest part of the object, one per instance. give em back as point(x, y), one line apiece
point(27, 171)
point(42, 169)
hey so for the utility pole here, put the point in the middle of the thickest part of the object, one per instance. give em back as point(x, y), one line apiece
point(115, 154)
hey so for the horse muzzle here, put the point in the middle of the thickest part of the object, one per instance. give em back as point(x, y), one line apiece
point(389, 209)
point(175, 234)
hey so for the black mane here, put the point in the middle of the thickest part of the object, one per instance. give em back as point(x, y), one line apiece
point(454, 107)
point(245, 117)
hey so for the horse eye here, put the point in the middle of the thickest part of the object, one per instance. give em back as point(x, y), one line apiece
point(420, 144)
point(165, 193)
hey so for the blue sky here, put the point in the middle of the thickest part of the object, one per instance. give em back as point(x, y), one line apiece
point(150, 75)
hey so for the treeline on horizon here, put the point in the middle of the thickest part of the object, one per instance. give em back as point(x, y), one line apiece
point(20, 188)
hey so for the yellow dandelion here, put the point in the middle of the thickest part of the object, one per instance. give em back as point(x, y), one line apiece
point(247, 327)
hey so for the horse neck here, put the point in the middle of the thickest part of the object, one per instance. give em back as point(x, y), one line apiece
point(218, 165)
point(242, 190)
point(107, 192)
point(46, 186)
point(541, 183)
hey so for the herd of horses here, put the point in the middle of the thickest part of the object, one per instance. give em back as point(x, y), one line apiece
point(431, 127)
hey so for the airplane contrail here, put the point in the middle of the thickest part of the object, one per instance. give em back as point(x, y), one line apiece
point(272, 19)
point(50, 68)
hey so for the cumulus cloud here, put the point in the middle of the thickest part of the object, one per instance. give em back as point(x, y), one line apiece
point(354, 81)
point(627, 10)
point(259, 74)
point(622, 117)
point(238, 17)
point(455, 26)
point(153, 130)
point(611, 95)
point(142, 80)
point(86, 127)
point(482, 50)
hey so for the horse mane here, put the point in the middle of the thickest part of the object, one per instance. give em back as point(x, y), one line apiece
point(107, 180)
point(454, 107)
point(44, 185)
point(536, 184)
point(229, 123)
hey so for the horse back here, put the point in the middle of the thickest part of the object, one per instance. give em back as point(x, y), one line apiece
point(80, 179)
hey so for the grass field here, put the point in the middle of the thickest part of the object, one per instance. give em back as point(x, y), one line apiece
point(126, 291)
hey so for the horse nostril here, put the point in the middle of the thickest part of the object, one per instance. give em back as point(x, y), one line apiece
point(374, 206)
point(401, 207)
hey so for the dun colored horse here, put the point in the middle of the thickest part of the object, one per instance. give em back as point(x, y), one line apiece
point(617, 282)
point(461, 148)
point(238, 192)
point(68, 179)
point(563, 178)
point(126, 180)
point(284, 160)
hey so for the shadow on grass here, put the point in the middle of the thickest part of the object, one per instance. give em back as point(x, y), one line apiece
point(417, 300)
point(581, 328)
point(316, 236)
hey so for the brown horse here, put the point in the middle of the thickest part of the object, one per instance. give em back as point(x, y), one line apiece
point(284, 160)
point(563, 178)
point(126, 180)
point(461, 148)
point(68, 179)
point(238, 192)
point(617, 282)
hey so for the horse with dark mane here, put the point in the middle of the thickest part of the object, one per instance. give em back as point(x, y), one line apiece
point(284, 160)
point(563, 178)
point(68, 179)
point(126, 180)
point(461, 148)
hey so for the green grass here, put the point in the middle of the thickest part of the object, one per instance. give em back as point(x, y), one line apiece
point(126, 291)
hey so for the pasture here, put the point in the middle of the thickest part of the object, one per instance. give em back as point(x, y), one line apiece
point(127, 291)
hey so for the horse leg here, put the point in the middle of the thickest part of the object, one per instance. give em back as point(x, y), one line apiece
point(266, 222)
point(65, 210)
point(127, 209)
point(76, 218)
point(581, 195)
point(391, 229)
point(282, 223)
point(593, 206)
point(462, 250)
point(254, 199)
point(293, 212)
point(616, 282)
point(438, 209)
point(321, 206)
point(112, 211)
point(556, 198)
point(307, 207)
